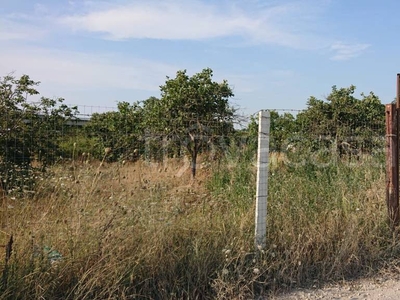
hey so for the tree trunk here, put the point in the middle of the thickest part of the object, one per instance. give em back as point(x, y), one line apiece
point(193, 162)
point(193, 153)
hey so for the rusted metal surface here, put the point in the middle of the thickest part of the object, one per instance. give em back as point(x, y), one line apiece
point(392, 164)
point(398, 91)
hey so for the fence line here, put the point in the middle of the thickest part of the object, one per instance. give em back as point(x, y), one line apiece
point(286, 140)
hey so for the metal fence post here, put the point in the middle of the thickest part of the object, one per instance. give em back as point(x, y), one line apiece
point(262, 179)
point(392, 164)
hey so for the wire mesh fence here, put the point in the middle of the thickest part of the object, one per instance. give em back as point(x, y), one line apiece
point(323, 137)
point(94, 169)
point(34, 139)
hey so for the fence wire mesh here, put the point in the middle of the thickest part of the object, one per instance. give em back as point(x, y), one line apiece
point(323, 137)
point(71, 152)
point(32, 140)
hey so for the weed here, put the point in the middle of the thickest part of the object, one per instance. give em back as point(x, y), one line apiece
point(138, 231)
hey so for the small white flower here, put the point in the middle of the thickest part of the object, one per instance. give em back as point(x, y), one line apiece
point(256, 271)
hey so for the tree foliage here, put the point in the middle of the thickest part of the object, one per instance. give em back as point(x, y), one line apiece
point(193, 114)
point(344, 118)
point(326, 126)
point(193, 111)
point(29, 132)
point(119, 130)
point(283, 129)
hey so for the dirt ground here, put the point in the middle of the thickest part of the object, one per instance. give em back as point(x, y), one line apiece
point(378, 288)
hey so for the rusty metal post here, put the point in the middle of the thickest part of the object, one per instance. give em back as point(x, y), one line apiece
point(398, 91)
point(396, 219)
point(392, 164)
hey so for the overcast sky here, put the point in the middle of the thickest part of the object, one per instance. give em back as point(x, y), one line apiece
point(274, 53)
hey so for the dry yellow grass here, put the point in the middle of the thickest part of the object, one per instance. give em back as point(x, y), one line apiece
point(147, 230)
point(110, 222)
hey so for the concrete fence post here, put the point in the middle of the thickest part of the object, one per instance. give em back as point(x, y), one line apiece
point(262, 179)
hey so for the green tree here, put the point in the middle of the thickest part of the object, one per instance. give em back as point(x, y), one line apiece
point(283, 129)
point(343, 118)
point(249, 135)
point(28, 131)
point(192, 111)
point(121, 130)
point(157, 141)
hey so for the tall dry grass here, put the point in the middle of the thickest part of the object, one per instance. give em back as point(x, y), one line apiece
point(146, 231)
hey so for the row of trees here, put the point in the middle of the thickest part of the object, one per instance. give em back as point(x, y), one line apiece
point(340, 119)
point(192, 115)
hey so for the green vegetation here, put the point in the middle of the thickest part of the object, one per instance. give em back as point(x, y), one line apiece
point(132, 223)
point(29, 132)
point(193, 115)
point(120, 130)
point(140, 231)
point(194, 110)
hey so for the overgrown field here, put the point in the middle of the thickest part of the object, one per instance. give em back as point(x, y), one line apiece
point(147, 231)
